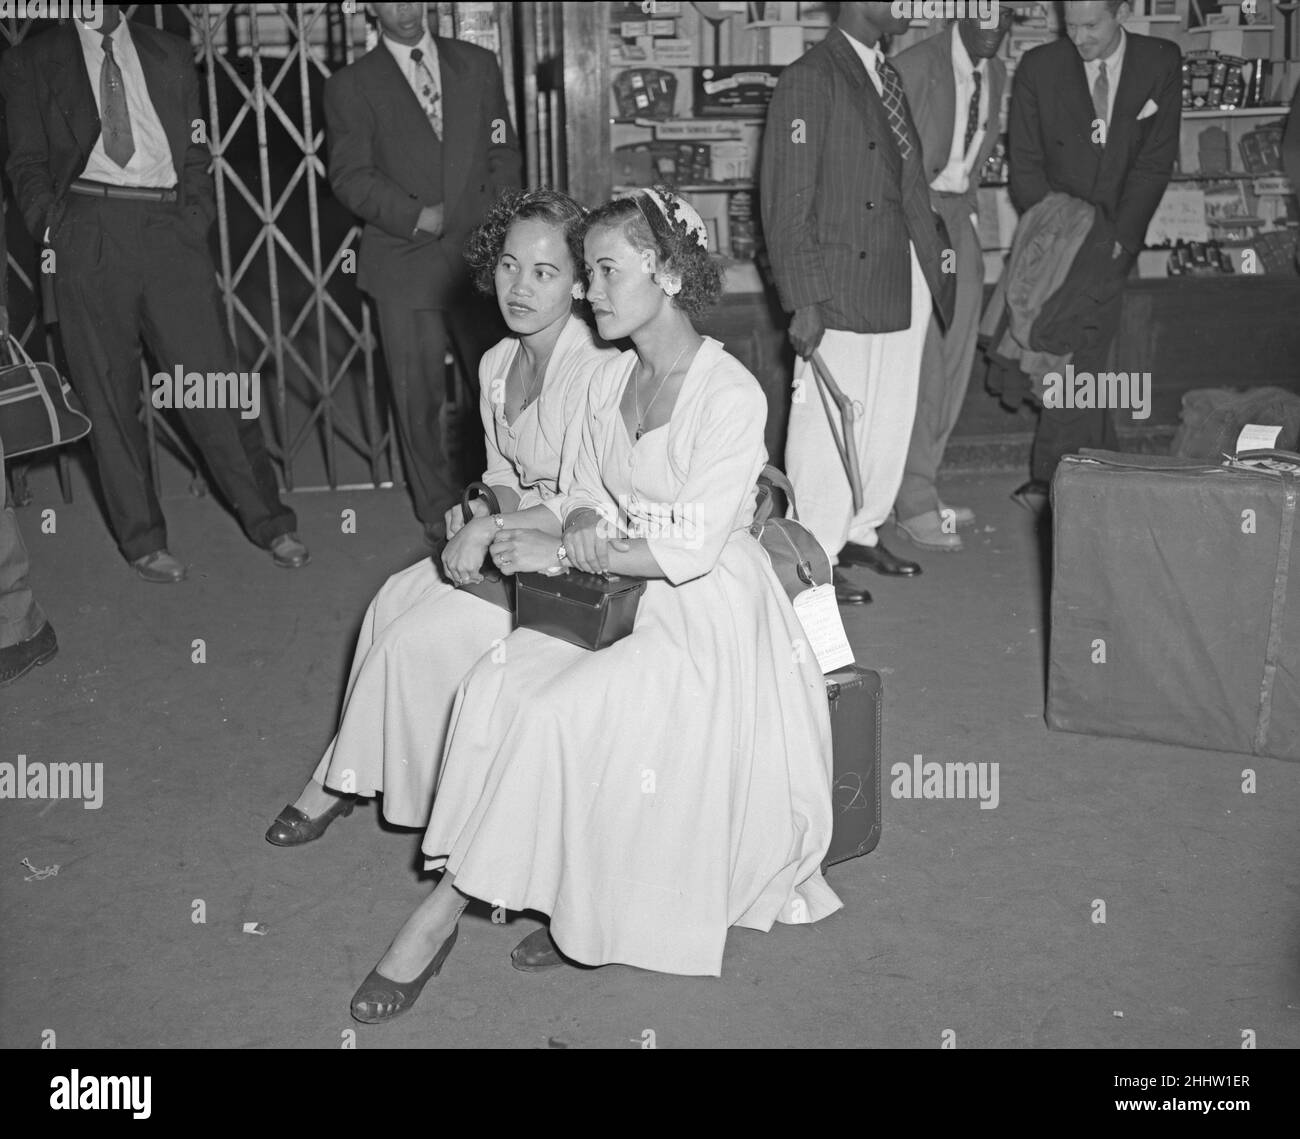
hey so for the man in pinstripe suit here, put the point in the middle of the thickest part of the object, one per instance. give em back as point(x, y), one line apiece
point(858, 257)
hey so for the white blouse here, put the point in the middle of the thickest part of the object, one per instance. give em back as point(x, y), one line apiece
point(535, 455)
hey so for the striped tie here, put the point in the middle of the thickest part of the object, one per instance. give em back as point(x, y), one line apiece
point(891, 94)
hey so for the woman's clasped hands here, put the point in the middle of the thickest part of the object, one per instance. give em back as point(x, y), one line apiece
point(589, 539)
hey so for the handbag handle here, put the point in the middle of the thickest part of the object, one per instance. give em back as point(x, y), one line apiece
point(479, 490)
point(17, 353)
point(773, 477)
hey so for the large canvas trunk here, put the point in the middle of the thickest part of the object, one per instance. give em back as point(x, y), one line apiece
point(1175, 610)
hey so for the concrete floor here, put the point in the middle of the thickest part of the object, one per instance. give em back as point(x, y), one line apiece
point(969, 920)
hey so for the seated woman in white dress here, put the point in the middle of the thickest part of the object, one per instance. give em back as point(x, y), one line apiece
point(650, 795)
point(420, 634)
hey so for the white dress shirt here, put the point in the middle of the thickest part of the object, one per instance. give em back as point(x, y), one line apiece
point(402, 53)
point(151, 164)
point(1114, 65)
point(955, 177)
point(869, 55)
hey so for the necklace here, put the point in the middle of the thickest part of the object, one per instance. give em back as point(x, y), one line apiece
point(636, 393)
point(539, 374)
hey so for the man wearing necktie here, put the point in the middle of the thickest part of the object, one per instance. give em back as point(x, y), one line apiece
point(954, 84)
point(857, 253)
point(111, 175)
point(420, 146)
point(1095, 115)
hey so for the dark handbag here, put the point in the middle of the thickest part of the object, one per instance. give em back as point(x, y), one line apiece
point(495, 587)
point(796, 556)
point(37, 407)
point(589, 610)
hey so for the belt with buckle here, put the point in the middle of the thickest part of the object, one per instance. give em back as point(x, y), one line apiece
point(129, 193)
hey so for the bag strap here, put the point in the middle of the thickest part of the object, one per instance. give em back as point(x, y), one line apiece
point(17, 353)
point(769, 478)
point(479, 490)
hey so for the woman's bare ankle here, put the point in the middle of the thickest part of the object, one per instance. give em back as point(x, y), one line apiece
point(316, 799)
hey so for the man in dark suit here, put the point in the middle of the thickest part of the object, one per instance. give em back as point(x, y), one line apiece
point(26, 637)
point(420, 147)
point(1095, 115)
point(109, 173)
point(954, 84)
point(856, 251)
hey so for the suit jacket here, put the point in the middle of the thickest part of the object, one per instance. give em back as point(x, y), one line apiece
point(840, 204)
point(931, 87)
point(383, 167)
point(1051, 145)
point(53, 123)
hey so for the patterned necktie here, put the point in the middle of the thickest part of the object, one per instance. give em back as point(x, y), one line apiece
point(430, 96)
point(891, 94)
point(119, 143)
point(1101, 100)
point(973, 119)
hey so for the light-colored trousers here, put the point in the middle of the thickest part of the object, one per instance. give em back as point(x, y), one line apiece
point(945, 364)
point(881, 373)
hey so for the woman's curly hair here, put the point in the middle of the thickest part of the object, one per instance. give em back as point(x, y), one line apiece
point(674, 243)
point(483, 249)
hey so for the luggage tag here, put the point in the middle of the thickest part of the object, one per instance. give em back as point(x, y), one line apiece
point(819, 614)
point(1257, 437)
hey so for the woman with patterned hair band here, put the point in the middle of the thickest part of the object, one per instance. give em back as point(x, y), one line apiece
point(421, 634)
point(651, 795)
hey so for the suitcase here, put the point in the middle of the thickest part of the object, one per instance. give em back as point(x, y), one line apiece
point(855, 696)
point(1175, 612)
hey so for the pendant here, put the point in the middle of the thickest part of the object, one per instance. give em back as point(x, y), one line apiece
point(639, 432)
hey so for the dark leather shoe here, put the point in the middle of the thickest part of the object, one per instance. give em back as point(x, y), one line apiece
point(293, 828)
point(1033, 496)
point(18, 660)
point(846, 593)
point(380, 999)
point(160, 568)
point(879, 559)
point(288, 552)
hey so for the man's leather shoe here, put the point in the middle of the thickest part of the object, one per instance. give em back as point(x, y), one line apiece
point(1033, 496)
point(159, 567)
point(961, 515)
point(846, 593)
point(928, 530)
point(18, 660)
point(288, 552)
point(877, 558)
